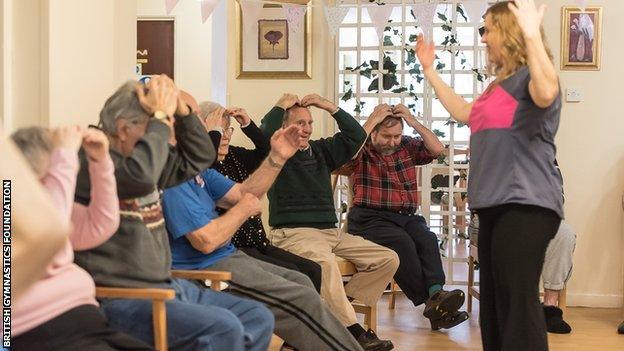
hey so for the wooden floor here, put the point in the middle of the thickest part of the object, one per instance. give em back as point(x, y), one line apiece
point(592, 329)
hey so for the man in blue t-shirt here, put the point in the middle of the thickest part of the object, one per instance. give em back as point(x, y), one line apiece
point(200, 239)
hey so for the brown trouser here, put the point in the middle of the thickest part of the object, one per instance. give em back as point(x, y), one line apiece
point(375, 264)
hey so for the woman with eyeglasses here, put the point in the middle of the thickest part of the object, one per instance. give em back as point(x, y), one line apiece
point(513, 185)
point(238, 163)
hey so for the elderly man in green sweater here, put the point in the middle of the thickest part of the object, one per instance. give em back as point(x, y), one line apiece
point(303, 217)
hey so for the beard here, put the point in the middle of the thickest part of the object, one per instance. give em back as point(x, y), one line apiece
point(386, 150)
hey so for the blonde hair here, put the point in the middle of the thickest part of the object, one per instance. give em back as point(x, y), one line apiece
point(513, 47)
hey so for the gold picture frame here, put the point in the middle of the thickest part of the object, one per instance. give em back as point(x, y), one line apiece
point(581, 38)
point(293, 63)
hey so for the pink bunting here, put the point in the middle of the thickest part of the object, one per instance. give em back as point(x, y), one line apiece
point(170, 5)
point(424, 13)
point(294, 15)
point(475, 9)
point(251, 12)
point(334, 16)
point(207, 6)
point(582, 4)
point(379, 15)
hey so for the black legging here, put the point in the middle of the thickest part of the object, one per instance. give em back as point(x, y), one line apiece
point(283, 258)
point(512, 244)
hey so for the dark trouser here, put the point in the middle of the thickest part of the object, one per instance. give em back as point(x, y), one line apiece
point(283, 258)
point(81, 328)
point(411, 239)
point(512, 245)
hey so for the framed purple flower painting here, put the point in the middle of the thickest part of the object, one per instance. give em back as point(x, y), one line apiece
point(270, 46)
point(581, 38)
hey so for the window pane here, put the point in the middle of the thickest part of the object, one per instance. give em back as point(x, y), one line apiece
point(346, 82)
point(369, 36)
point(464, 60)
point(465, 35)
point(347, 59)
point(464, 83)
point(438, 110)
point(347, 37)
point(351, 16)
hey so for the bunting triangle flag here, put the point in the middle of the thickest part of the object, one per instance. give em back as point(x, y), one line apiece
point(379, 15)
point(582, 4)
point(207, 6)
point(251, 12)
point(334, 16)
point(424, 13)
point(294, 15)
point(475, 9)
point(170, 5)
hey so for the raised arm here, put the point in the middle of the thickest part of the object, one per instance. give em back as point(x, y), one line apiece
point(274, 119)
point(544, 83)
point(220, 230)
point(38, 229)
point(284, 144)
point(431, 141)
point(96, 223)
point(342, 146)
point(250, 158)
point(456, 105)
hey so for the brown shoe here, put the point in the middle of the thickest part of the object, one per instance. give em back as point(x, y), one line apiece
point(449, 320)
point(443, 302)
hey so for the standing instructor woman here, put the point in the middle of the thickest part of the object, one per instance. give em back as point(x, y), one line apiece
point(513, 184)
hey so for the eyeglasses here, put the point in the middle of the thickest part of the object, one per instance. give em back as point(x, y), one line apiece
point(228, 131)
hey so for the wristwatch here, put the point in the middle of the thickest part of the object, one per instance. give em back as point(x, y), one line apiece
point(160, 115)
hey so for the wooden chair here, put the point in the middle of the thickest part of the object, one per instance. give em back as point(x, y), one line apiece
point(473, 291)
point(216, 278)
point(347, 269)
point(345, 266)
point(159, 313)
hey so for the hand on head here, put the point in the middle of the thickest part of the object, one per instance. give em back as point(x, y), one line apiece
point(380, 113)
point(214, 118)
point(95, 143)
point(239, 114)
point(160, 94)
point(287, 101)
point(319, 102)
point(69, 137)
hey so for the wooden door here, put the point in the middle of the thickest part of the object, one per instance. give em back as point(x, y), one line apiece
point(155, 47)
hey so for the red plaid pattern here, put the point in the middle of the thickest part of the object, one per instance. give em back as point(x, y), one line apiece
point(389, 182)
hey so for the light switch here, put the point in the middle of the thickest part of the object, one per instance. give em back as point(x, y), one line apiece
point(574, 95)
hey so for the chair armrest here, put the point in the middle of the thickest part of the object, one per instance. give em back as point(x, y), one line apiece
point(135, 293)
point(201, 275)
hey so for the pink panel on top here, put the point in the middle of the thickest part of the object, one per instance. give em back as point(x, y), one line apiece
point(493, 111)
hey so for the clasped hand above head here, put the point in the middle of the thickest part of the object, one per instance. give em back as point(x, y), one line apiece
point(289, 100)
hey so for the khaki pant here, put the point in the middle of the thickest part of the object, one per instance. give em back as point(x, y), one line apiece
point(375, 264)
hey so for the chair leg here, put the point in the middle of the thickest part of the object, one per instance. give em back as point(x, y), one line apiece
point(470, 282)
point(392, 295)
point(159, 316)
point(372, 318)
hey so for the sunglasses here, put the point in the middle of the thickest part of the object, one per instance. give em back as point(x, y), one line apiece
point(481, 31)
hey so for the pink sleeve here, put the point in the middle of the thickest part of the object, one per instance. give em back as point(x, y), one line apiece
point(60, 180)
point(97, 222)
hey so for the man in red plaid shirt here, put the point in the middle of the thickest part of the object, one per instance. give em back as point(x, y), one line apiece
point(384, 181)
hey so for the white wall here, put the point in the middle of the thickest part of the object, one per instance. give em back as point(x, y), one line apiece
point(66, 57)
point(192, 44)
point(591, 155)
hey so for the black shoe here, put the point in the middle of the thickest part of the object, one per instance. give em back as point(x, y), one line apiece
point(370, 342)
point(442, 303)
point(449, 320)
point(621, 328)
point(554, 320)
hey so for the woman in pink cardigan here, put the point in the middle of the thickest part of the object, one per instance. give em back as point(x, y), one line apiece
point(59, 311)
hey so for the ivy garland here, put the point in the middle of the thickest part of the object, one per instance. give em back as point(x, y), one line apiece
point(390, 81)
